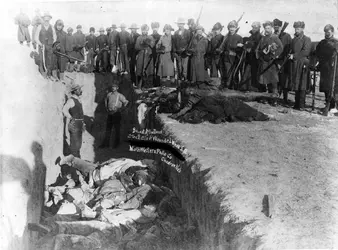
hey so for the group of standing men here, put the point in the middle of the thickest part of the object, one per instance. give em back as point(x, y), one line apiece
point(270, 60)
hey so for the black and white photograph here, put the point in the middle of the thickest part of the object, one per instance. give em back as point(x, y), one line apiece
point(168, 124)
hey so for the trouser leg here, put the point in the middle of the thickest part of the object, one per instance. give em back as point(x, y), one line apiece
point(75, 135)
point(109, 127)
point(302, 98)
point(297, 96)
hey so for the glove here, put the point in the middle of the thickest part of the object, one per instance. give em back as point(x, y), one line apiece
point(218, 51)
point(273, 47)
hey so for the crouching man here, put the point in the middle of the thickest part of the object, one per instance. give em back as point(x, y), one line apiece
point(115, 104)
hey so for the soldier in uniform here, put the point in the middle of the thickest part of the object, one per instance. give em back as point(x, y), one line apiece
point(79, 44)
point(180, 44)
point(91, 48)
point(268, 49)
point(300, 51)
point(132, 51)
point(215, 52)
point(230, 48)
point(166, 64)
point(70, 43)
point(108, 30)
point(155, 26)
point(284, 72)
point(74, 112)
point(144, 45)
point(37, 20)
point(45, 37)
point(124, 40)
point(251, 60)
point(113, 42)
point(326, 52)
point(198, 50)
point(60, 62)
point(102, 51)
point(22, 20)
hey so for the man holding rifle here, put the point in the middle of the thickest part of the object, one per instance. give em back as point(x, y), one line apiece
point(180, 42)
point(215, 52)
point(230, 48)
point(269, 48)
point(102, 52)
point(284, 69)
point(326, 52)
point(300, 52)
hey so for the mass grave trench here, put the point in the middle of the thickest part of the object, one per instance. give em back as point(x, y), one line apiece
point(188, 179)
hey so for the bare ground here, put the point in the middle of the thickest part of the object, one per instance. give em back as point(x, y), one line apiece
point(292, 160)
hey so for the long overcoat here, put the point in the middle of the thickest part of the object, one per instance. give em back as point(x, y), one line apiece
point(144, 59)
point(265, 60)
point(325, 52)
point(23, 22)
point(199, 49)
point(166, 64)
point(301, 49)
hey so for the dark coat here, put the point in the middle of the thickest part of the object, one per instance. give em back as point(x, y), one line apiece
point(70, 43)
point(131, 47)
point(61, 37)
point(181, 41)
point(271, 75)
point(113, 40)
point(230, 46)
point(101, 42)
point(214, 54)
point(301, 49)
point(144, 45)
point(91, 42)
point(325, 52)
point(199, 49)
point(79, 39)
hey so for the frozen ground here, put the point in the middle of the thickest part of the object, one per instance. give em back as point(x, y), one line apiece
point(293, 159)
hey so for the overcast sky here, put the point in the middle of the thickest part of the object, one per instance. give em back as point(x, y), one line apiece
point(316, 14)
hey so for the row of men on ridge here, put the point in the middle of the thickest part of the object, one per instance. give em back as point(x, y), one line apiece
point(283, 60)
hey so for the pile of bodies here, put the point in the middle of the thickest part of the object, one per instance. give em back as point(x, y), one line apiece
point(198, 104)
point(119, 204)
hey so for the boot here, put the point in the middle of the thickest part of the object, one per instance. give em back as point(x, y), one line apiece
point(297, 97)
point(62, 76)
point(285, 97)
point(54, 76)
point(302, 97)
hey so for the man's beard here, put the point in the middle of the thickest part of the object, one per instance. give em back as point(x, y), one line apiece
point(328, 36)
point(267, 33)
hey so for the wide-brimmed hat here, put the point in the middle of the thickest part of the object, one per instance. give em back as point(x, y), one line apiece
point(155, 25)
point(133, 26)
point(191, 21)
point(115, 83)
point(144, 27)
point(79, 26)
point(101, 29)
point(328, 27)
point(114, 26)
point(75, 87)
point(70, 29)
point(256, 24)
point(46, 14)
point(167, 27)
point(180, 20)
point(217, 26)
point(91, 29)
point(123, 25)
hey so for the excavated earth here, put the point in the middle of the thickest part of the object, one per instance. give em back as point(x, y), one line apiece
point(230, 168)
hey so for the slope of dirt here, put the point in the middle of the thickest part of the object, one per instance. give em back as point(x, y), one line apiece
point(292, 160)
point(31, 139)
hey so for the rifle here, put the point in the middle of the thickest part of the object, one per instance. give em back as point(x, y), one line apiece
point(331, 96)
point(274, 61)
point(314, 89)
point(194, 32)
point(67, 56)
point(227, 35)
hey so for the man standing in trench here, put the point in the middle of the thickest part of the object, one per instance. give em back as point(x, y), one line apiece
point(115, 104)
point(74, 112)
